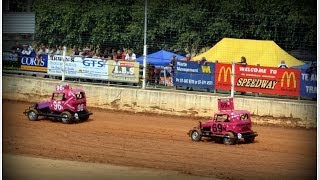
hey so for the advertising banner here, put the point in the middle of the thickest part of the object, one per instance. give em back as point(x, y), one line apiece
point(192, 74)
point(34, 63)
point(9, 56)
point(78, 67)
point(123, 71)
point(258, 79)
point(308, 85)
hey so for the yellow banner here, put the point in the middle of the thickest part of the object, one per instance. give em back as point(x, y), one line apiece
point(34, 68)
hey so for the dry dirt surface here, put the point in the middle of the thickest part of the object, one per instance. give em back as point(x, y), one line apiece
point(160, 142)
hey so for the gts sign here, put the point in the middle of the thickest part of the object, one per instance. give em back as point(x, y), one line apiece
point(93, 63)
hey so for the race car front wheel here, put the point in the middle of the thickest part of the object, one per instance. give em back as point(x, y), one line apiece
point(195, 135)
point(228, 139)
point(32, 115)
point(66, 117)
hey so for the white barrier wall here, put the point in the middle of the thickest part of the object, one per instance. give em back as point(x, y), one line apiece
point(296, 113)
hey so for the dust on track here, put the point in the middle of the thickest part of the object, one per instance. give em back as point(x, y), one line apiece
point(161, 142)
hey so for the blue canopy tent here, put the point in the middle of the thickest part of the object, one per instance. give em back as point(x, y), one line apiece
point(159, 58)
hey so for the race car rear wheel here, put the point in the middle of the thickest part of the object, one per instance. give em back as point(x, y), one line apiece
point(249, 139)
point(66, 117)
point(229, 139)
point(32, 115)
point(195, 135)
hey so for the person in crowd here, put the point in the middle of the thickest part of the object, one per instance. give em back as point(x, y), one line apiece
point(282, 64)
point(118, 55)
point(75, 51)
point(312, 68)
point(27, 50)
point(243, 61)
point(156, 74)
point(108, 52)
point(172, 63)
point(52, 51)
point(59, 50)
point(203, 61)
point(43, 50)
point(17, 48)
point(130, 56)
point(188, 57)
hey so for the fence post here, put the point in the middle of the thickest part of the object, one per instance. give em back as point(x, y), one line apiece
point(232, 78)
point(63, 63)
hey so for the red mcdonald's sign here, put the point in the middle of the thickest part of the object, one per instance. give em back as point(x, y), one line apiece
point(259, 79)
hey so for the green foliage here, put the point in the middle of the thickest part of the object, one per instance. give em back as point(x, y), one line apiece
point(181, 25)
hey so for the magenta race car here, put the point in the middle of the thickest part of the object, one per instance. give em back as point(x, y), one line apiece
point(66, 104)
point(228, 126)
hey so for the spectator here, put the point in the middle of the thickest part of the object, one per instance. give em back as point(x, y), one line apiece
point(312, 68)
point(106, 52)
point(75, 51)
point(130, 56)
point(172, 62)
point(59, 50)
point(282, 64)
point(188, 57)
point(118, 55)
point(243, 61)
point(203, 61)
point(26, 50)
point(43, 50)
point(17, 48)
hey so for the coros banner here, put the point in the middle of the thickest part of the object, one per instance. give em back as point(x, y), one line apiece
point(34, 63)
point(258, 79)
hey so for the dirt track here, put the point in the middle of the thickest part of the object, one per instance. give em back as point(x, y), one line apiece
point(159, 142)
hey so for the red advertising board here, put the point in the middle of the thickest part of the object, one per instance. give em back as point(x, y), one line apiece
point(259, 79)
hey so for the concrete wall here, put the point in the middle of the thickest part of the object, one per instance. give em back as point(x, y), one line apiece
point(268, 110)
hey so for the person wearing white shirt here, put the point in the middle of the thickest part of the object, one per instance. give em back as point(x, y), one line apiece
point(26, 50)
point(282, 64)
point(130, 56)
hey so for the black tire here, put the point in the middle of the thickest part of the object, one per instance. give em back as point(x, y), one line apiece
point(33, 114)
point(195, 135)
point(229, 138)
point(66, 117)
point(249, 139)
point(84, 118)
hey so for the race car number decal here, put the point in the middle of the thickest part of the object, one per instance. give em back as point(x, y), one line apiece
point(81, 107)
point(218, 128)
point(57, 105)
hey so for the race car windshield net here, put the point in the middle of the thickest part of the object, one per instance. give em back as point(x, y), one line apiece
point(222, 118)
point(80, 95)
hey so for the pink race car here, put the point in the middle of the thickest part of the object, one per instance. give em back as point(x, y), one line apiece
point(66, 104)
point(228, 126)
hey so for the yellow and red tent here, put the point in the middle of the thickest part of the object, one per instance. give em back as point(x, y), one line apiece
point(263, 52)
